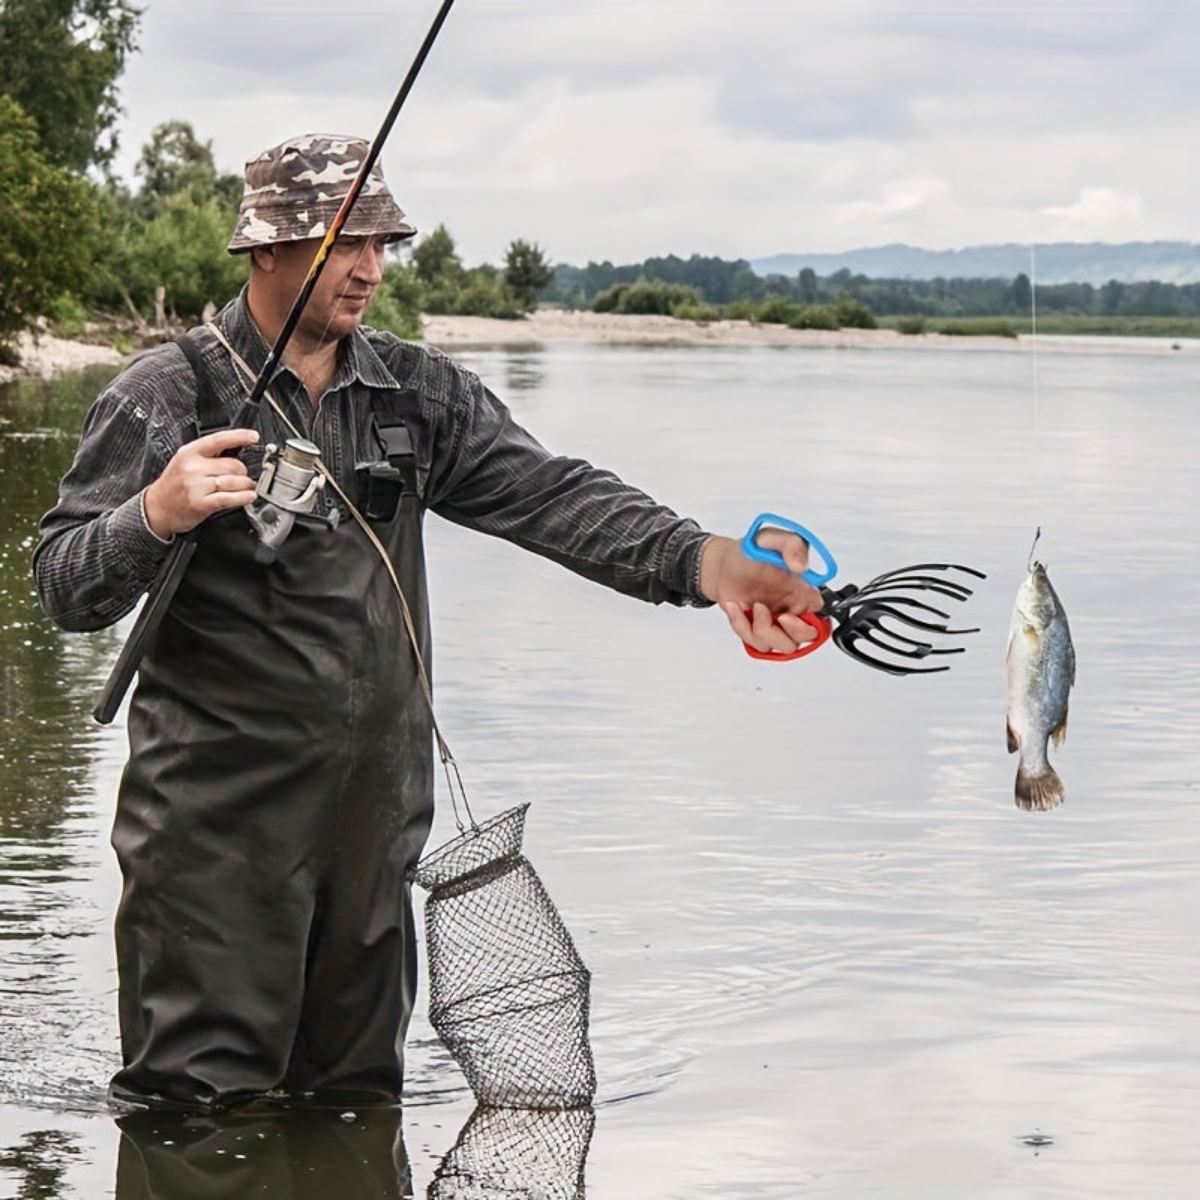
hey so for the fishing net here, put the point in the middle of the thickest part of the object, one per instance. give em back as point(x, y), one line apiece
point(511, 1154)
point(508, 992)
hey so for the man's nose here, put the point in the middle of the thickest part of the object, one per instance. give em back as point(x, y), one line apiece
point(368, 265)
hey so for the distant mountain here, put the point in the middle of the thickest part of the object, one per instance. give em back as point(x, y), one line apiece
point(1056, 262)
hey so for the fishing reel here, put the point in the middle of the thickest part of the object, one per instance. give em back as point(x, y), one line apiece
point(289, 490)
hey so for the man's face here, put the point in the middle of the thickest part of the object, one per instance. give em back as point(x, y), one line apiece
point(352, 272)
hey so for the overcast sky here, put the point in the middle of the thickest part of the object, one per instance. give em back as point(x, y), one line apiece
point(622, 129)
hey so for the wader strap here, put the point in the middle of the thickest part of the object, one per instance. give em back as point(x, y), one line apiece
point(210, 413)
point(382, 483)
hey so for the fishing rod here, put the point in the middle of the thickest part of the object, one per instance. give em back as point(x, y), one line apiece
point(179, 555)
point(263, 380)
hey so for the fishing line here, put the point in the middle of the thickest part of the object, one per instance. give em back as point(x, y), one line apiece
point(1033, 337)
point(1033, 281)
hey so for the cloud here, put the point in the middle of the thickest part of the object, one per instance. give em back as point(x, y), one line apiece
point(1099, 214)
point(617, 129)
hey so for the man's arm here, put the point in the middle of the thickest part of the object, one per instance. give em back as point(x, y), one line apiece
point(491, 475)
point(97, 554)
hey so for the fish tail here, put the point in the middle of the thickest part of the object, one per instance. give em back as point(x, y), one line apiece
point(1039, 791)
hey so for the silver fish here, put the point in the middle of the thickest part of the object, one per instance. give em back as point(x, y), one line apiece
point(1041, 670)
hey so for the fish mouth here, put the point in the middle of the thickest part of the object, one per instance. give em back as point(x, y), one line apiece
point(1031, 563)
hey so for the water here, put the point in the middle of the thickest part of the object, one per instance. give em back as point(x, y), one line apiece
point(830, 957)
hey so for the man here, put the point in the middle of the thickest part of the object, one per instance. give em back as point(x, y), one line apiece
point(279, 783)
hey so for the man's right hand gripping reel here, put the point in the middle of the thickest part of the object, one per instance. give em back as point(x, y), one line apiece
point(882, 624)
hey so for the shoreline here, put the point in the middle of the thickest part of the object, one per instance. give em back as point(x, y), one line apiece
point(546, 326)
point(43, 356)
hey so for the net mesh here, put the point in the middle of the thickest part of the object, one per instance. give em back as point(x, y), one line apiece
point(506, 1154)
point(508, 992)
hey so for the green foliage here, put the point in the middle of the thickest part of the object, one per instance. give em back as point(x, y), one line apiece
point(778, 311)
point(526, 272)
point(701, 313)
point(1115, 326)
point(173, 161)
point(645, 298)
point(852, 313)
point(436, 261)
point(739, 293)
point(977, 327)
point(397, 303)
point(437, 282)
point(183, 250)
point(718, 282)
point(49, 220)
point(1021, 294)
point(911, 325)
point(67, 316)
point(388, 310)
point(59, 60)
point(484, 293)
point(740, 310)
point(171, 233)
point(815, 316)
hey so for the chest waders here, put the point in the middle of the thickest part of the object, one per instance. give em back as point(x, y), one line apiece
point(279, 786)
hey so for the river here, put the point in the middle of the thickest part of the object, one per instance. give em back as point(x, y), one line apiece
point(829, 955)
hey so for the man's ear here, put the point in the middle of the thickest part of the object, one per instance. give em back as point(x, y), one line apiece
point(263, 257)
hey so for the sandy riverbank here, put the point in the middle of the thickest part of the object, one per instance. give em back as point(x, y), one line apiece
point(46, 356)
point(556, 325)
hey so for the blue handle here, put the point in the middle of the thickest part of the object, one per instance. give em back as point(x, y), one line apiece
point(813, 576)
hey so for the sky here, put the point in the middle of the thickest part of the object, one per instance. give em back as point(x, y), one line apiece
point(624, 129)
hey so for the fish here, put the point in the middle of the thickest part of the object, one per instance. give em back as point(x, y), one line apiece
point(1040, 668)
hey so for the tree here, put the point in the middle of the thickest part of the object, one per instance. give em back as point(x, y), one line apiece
point(1021, 295)
point(175, 161)
point(172, 233)
point(808, 289)
point(527, 272)
point(435, 259)
point(183, 249)
point(49, 218)
point(59, 60)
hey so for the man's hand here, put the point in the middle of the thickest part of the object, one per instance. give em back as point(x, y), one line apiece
point(774, 597)
point(199, 481)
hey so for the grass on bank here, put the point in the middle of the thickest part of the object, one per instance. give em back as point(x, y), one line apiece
point(1057, 324)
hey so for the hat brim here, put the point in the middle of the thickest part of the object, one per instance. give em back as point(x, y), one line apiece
point(271, 224)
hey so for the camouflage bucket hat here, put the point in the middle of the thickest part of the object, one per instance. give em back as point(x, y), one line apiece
point(294, 190)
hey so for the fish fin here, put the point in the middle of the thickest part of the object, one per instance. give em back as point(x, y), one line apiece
point(1040, 791)
point(1014, 742)
point(1060, 731)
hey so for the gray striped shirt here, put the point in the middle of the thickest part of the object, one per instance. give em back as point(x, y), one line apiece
point(476, 466)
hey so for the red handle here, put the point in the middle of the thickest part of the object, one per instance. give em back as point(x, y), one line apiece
point(822, 625)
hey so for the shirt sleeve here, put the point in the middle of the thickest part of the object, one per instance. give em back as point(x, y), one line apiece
point(491, 475)
point(96, 555)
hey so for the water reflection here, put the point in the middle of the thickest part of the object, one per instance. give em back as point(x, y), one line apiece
point(39, 1162)
point(48, 749)
point(294, 1154)
point(45, 673)
point(802, 893)
point(327, 1154)
point(509, 1152)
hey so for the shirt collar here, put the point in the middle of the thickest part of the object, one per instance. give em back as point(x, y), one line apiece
point(358, 361)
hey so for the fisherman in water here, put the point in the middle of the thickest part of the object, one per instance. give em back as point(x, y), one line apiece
point(280, 778)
